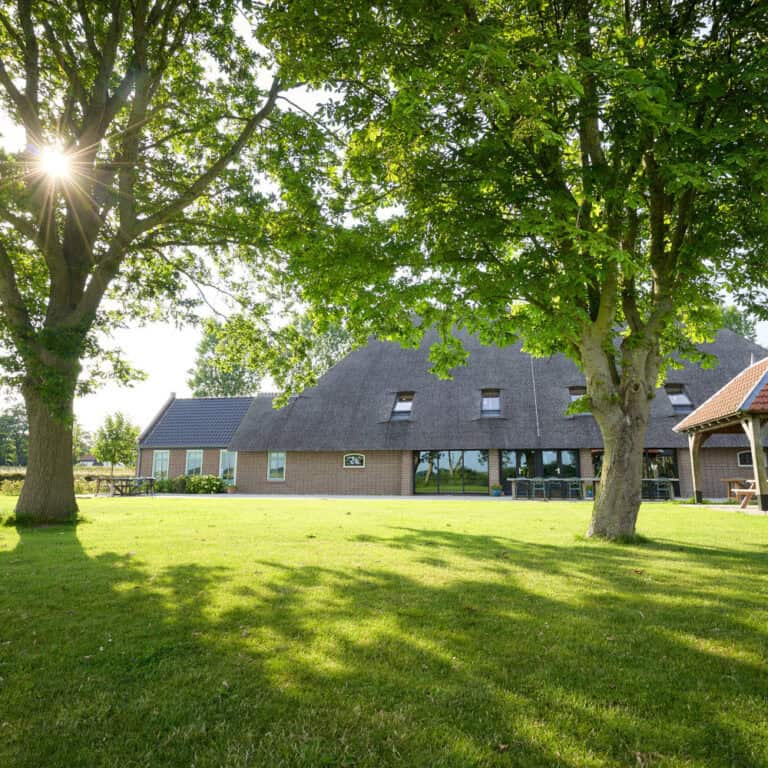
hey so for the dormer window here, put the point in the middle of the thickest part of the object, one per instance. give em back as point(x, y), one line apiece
point(403, 406)
point(490, 403)
point(576, 393)
point(678, 398)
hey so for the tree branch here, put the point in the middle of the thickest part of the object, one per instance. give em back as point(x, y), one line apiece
point(11, 299)
point(199, 186)
point(25, 109)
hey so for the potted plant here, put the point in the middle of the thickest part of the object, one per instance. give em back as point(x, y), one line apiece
point(496, 490)
point(231, 489)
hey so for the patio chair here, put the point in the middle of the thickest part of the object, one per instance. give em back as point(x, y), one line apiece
point(523, 489)
point(572, 489)
point(539, 489)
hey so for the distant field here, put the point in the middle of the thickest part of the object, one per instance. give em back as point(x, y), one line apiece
point(78, 471)
point(214, 632)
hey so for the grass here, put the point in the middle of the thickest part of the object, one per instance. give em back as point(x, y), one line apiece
point(248, 632)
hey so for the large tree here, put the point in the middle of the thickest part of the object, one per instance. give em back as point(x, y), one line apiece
point(144, 123)
point(116, 441)
point(219, 370)
point(740, 321)
point(574, 172)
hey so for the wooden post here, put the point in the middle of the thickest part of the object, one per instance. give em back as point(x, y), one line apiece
point(753, 428)
point(695, 439)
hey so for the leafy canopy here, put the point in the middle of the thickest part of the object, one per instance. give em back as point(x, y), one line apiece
point(577, 172)
point(216, 373)
point(163, 121)
point(116, 440)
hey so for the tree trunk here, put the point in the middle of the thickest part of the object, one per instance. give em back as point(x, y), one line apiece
point(48, 493)
point(617, 503)
point(620, 397)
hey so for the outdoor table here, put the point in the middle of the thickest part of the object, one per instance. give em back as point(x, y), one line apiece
point(659, 483)
point(127, 486)
point(653, 487)
point(549, 484)
point(733, 483)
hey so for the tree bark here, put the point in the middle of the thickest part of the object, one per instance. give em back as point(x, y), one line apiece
point(617, 503)
point(620, 397)
point(48, 493)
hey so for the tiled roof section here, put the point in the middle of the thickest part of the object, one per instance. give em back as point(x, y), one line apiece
point(759, 403)
point(746, 392)
point(205, 422)
point(350, 408)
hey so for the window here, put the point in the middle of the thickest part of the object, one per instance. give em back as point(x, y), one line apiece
point(576, 392)
point(517, 464)
point(744, 459)
point(228, 467)
point(403, 406)
point(658, 464)
point(194, 465)
point(680, 401)
point(538, 464)
point(160, 465)
point(454, 472)
point(490, 405)
point(276, 466)
point(354, 461)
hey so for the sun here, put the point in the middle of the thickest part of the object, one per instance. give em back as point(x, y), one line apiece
point(54, 162)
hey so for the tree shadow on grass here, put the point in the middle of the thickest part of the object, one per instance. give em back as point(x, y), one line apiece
point(547, 656)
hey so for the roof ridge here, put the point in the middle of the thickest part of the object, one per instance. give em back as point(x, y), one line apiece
point(764, 361)
point(755, 391)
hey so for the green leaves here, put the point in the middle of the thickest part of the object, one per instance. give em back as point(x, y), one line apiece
point(116, 440)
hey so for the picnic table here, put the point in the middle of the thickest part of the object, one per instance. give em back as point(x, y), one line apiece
point(747, 493)
point(733, 483)
point(126, 486)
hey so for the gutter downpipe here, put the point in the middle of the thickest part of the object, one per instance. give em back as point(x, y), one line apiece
point(535, 399)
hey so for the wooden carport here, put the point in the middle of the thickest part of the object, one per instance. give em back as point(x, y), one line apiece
point(741, 405)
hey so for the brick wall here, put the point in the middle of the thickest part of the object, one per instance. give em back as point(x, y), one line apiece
point(391, 472)
point(494, 474)
point(586, 467)
point(385, 473)
point(177, 461)
point(406, 473)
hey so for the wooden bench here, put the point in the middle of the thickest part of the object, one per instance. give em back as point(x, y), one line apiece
point(747, 493)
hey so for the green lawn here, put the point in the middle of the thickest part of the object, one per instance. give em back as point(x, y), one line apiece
point(244, 632)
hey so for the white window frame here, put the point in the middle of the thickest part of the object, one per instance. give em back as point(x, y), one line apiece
point(679, 398)
point(186, 462)
point(575, 393)
point(486, 400)
point(285, 466)
point(155, 456)
point(221, 466)
point(402, 409)
point(353, 466)
point(749, 453)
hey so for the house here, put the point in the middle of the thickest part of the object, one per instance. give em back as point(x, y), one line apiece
point(379, 423)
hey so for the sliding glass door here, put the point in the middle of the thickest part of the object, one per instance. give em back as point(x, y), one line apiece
point(450, 472)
